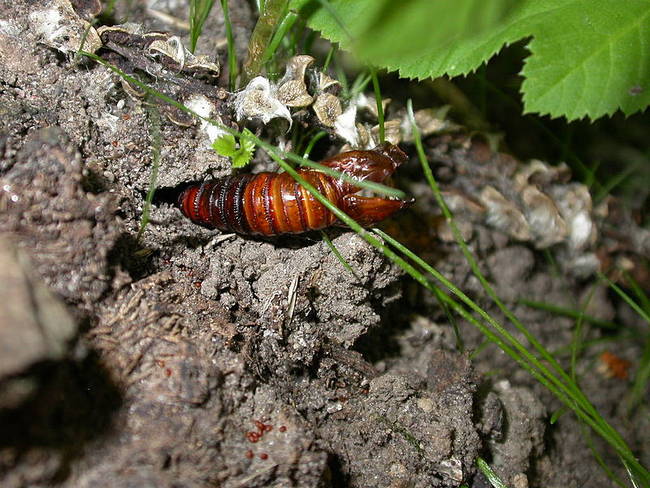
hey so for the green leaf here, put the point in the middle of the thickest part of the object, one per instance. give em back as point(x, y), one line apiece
point(241, 159)
point(418, 38)
point(225, 145)
point(588, 57)
point(244, 154)
point(247, 144)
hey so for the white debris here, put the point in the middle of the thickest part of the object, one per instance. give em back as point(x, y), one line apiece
point(205, 108)
point(259, 101)
point(345, 127)
point(57, 25)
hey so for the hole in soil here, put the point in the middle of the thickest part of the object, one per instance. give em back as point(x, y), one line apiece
point(93, 182)
point(338, 477)
point(127, 253)
point(168, 194)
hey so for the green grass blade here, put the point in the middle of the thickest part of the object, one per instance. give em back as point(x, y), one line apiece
point(154, 131)
point(616, 181)
point(285, 25)
point(599, 459)
point(380, 106)
point(328, 59)
point(564, 382)
point(199, 11)
point(491, 476)
point(577, 343)
point(642, 313)
point(638, 291)
point(642, 375)
point(319, 135)
point(528, 362)
point(232, 55)
point(368, 185)
point(641, 378)
point(460, 343)
point(557, 414)
point(567, 312)
point(338, 254)
point(359, 85)
point(475, 268)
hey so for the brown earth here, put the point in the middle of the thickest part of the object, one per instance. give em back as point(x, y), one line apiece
point(177, 359)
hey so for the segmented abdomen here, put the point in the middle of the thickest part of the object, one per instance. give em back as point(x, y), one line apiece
point(264, 203)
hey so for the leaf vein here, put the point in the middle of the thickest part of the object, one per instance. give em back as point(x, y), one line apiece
point(598, 51)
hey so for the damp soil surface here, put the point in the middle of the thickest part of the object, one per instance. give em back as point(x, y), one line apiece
point(181, 356)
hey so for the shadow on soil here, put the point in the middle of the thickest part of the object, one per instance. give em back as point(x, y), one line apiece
point(73, 404)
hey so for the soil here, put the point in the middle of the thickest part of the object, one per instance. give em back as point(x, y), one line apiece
point(185, 357)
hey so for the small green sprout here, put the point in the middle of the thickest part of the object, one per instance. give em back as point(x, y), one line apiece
point(242, 153)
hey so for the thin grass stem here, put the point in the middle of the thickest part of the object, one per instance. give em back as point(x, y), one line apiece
point(380, 106)
point(638, 291)
point(338, 254)
point(360, 83)
point(319, 135)
point(642, 313)
point(567, 312)
point(328, 59)
point(585, 409)
point(615, 181)
point(368, 185)
point(489, 474)
point(641, 378)
point(477, 272)
point(577, 343)
point(154, 131)
point(519, 354)
point(586, 434)
point(232, 54)
point(285, 25)
point(199, 12)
